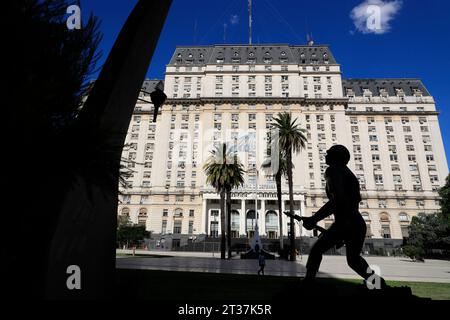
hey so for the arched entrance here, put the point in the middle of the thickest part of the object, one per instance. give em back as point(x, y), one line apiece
point(250, 223)
point(235, 217)
point(272, 224)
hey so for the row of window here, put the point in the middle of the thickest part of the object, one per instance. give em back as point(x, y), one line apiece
point(387, 120)
point(387, 109)
point(389, 129)
point(177, 227)
point(251, 66)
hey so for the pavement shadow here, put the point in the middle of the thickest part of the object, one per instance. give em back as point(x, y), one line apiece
point(157, 285)
point(333, 288)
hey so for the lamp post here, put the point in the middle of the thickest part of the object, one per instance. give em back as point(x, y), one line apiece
point(158, 98)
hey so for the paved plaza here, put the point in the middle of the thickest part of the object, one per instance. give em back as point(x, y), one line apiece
point(392, 268)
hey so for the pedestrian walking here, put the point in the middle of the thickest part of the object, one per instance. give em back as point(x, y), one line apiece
point(262, 263)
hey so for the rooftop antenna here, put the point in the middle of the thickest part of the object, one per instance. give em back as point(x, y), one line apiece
point(195, 31)
point(250, 22)
point(224, 33)
point(309, 37)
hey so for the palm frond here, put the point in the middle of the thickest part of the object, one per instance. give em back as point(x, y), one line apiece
point(223, 169)
point(291, 136)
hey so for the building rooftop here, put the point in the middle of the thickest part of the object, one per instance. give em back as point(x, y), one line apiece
point(391, 86)
point(252, 54)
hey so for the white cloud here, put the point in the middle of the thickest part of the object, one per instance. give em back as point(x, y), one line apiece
point(375, 16)
point(234, 19)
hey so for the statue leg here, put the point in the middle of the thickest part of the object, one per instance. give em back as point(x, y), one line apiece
point(326, 241)
point(354, 242)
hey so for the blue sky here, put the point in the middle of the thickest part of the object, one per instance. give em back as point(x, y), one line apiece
point(417, 44)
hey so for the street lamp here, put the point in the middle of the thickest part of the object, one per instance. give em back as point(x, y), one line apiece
point(158, 98)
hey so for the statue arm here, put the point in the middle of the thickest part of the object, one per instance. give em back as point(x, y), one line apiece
point(323, 212)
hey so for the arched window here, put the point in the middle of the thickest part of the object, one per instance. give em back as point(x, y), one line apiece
point(142, 218)
point(385, 225)
point(234, 220)
point(271, 220)
point(365, 216)
point(251, 220)
point(403, 217)
point(178, 212)
point(384, 217)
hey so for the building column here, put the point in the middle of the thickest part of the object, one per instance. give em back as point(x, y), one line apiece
point(204, 228)
point(242, 219)
point(285, 217)
point(297, 211)
point(262, 218)
point(302, 213)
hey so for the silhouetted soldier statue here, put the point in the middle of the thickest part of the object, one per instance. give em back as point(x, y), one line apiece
point(342, 188)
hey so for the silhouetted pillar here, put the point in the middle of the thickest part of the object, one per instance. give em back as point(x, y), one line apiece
point(262, 218)
point(285, 218)
point(302, 213)
point(242, 229)
point(204, 222)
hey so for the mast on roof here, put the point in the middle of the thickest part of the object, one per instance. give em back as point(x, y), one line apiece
point(249, 22)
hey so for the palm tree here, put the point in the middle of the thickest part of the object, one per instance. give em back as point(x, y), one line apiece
point(278, 172)
point(224, 172)
point(235, 178)
point(291, 138)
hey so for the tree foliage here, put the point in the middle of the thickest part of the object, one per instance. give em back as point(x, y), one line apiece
point(429, 234)
point(444, 193)
point(224, 171)
point(291, 139)
point(130, 234)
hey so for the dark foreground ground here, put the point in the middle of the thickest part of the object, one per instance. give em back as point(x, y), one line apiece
point(192, 287)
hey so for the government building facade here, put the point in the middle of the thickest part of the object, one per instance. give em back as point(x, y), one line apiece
point(230, 93)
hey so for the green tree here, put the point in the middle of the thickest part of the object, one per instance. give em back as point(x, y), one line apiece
point(123, 220)
point(431, 231)
point(444, 193)
point(278, 171)
point(234, 179)
point(427, 232)
point(224, 172)
point(131, 234)
point(291, 139)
